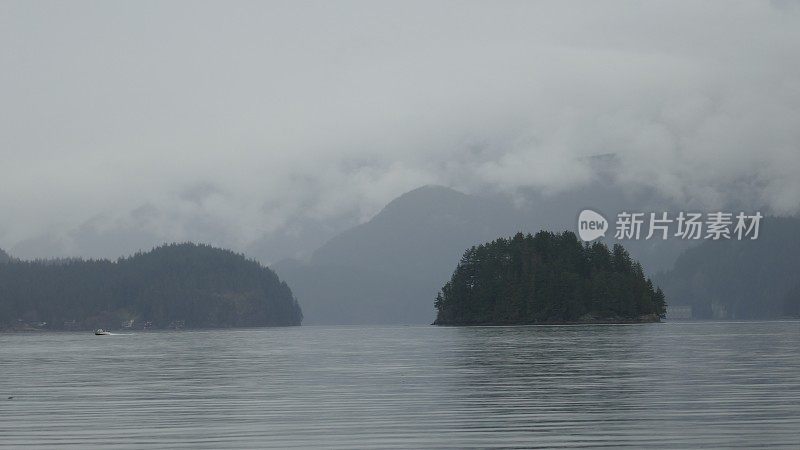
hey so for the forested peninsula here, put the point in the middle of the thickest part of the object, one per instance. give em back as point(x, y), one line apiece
point(172, 286)
point(546, 279)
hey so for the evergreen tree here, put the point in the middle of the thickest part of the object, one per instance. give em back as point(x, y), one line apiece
point(196, 285)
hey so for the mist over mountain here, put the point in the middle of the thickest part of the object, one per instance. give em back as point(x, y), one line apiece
point(306, 230)
point(424, 226)
point(747, 279)
point(608, 195)
point(389, 269)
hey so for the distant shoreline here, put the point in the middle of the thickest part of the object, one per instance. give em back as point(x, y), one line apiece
point(134, 330)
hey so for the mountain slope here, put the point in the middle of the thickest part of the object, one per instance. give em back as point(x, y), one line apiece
point(389, 269)
point(426, 228)
point(749, 279)
point(197, 285)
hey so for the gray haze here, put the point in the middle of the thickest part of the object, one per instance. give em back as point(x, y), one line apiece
point(389, 269)
point(269, 127)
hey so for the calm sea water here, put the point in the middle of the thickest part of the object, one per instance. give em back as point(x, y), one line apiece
point(671, 385)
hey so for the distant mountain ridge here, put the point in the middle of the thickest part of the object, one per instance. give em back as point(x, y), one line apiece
point(732, 279)
point(389, 269)
point(412, 225)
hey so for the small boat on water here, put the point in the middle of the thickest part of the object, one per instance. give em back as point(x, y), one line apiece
point(101, 332)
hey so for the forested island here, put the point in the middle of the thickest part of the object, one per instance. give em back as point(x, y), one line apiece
point(172, 286)
point(547, 278)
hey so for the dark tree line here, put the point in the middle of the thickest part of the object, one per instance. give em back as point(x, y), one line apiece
point(547, 278)
point(197, 285)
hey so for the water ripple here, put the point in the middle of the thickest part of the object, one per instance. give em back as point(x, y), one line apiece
point(732, 385)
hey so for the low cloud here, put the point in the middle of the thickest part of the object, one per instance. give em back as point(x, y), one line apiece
point(260, 124)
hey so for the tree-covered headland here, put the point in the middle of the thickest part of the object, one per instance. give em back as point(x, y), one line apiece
point(547, 278)
point(176, 285)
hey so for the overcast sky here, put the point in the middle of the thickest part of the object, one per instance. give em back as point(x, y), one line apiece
point(125, 124)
